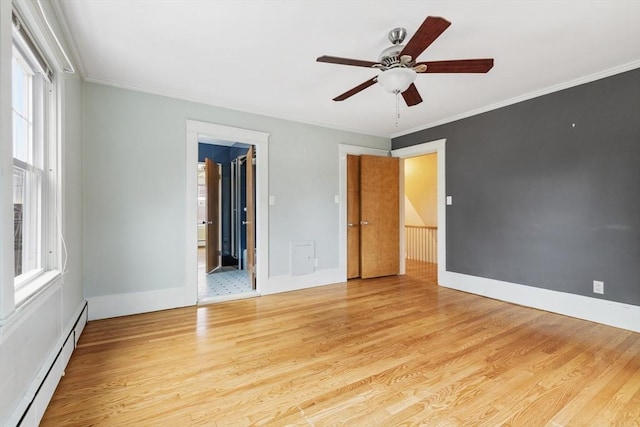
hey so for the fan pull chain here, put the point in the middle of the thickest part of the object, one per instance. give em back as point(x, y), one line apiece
point(397, 108)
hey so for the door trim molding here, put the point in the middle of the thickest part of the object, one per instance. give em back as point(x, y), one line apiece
point(438, 147)
point(343, 150)
point(194, 128)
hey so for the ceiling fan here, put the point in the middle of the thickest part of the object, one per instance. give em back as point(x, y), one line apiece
point(398, 64)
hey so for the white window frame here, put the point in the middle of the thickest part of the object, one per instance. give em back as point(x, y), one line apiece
point(46, 106)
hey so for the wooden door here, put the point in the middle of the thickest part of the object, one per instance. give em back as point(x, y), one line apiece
point(379, 216)
point(251, 219)
point(212, 246)
point(353, 216)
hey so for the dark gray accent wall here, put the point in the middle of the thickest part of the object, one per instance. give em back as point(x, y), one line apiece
point(546, 192)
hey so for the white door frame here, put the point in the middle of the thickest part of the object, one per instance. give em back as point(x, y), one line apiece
point(260, 140)
point(438, 147)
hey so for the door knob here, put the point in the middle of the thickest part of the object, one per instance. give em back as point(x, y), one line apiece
point(246, 222)
point(207, 222)
point(364, 222)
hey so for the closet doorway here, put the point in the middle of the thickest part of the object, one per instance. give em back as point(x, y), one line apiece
point(226, 220)
point(438, 147)
point(373, 237)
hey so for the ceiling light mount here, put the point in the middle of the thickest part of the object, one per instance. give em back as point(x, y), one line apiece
point(397, 35)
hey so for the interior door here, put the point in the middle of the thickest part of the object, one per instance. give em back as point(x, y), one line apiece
point(353, 216)
point(212, 246)
point(379, 216)
point(251, 218)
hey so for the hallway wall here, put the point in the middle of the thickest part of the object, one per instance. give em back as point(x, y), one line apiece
point(420, 188)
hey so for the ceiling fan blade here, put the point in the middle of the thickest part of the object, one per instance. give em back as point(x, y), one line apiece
point(356, 89)
point(412, 96)
point(458, 66)
point(430, 30)
point(345, 61)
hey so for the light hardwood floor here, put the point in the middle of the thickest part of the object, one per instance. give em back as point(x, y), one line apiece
point(383, 352)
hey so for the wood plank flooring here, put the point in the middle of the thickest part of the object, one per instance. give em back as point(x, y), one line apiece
point(378, 352)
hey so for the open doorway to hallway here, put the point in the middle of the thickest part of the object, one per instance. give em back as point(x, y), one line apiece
point(226, 228)
point(198, 131)
point(437, 147)
point(421, 214)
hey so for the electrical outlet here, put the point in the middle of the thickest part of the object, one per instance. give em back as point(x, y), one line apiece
point(315, 262)
point(598, 287)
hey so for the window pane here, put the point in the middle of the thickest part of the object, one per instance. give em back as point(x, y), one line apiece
point(19, 178)
point(26, 220)
point(21, 145)
point(22, 87)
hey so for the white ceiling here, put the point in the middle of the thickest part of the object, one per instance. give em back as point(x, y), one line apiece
point(260, 55)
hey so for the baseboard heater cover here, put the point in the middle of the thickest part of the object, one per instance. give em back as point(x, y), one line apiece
point(34, 411)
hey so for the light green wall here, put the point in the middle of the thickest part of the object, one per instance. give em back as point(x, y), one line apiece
point(72, 193)
point(134, 151)
point(30, 336)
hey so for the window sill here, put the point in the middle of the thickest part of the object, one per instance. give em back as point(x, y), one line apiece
point(36, 285)
point(27, 277)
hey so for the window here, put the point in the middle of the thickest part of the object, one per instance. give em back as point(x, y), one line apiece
point(34, 150)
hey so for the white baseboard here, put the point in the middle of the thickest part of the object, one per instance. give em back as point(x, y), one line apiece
point(106, 306)
point(286, 283)
point(624, 316)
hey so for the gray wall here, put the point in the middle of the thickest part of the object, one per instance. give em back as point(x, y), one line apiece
point(134, 147)
point(541, 202)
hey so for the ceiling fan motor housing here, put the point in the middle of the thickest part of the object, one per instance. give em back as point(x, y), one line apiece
point(390, 57)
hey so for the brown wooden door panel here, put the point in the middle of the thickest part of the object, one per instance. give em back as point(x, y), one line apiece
point(212, 179)
point(379, 214)
point(353, 216)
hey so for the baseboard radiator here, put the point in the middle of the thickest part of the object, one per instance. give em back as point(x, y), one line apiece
point(49, 377)
point(421, 243)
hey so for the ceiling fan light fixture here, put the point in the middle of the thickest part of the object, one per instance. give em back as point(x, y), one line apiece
point(396, 80)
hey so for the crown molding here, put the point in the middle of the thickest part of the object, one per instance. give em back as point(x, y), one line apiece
point(551, 89)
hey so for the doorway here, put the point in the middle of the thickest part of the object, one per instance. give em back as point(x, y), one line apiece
point(420, 214)
point(438, 248)
point(197, 131)
point(226, 228)
point(372, 216)
point(438, 147)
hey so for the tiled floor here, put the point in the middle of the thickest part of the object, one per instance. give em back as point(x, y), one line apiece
point(224, 282)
